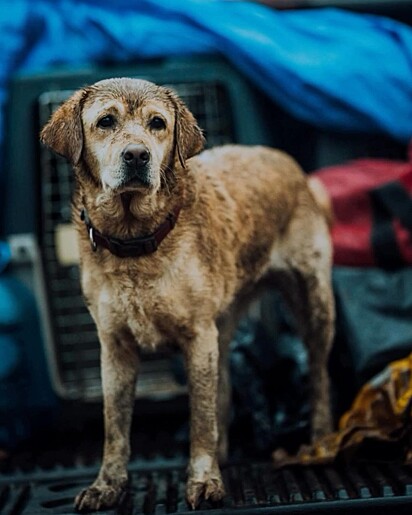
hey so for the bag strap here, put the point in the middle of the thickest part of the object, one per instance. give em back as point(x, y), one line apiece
point(389, 201)
point(393, 197)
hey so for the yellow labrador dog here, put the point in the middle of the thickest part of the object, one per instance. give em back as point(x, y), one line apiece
point(173, 247)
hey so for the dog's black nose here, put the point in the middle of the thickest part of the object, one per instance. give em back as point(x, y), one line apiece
point(136, 154)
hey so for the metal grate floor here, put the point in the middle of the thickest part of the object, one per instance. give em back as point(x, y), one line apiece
point(251, 488)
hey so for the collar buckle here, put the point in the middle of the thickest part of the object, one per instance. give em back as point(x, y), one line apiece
point(93, 243)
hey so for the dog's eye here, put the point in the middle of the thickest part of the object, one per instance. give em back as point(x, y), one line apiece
point(157, 123)
point(106, 121)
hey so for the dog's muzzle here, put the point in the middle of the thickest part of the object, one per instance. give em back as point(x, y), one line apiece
point(135, 164)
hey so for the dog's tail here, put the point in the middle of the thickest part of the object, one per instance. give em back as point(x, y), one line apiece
point(322, 198)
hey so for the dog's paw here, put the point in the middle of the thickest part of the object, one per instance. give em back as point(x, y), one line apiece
point(99, 497)
point(211, 489)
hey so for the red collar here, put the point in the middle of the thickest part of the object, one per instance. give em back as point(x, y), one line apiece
point(133, 247)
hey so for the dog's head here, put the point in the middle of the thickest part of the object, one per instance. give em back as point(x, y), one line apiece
point(128, 134)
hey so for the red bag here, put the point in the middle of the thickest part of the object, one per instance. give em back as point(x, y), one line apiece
point(372, 207)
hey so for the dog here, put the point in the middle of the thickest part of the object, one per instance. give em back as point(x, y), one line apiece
point(174, 244)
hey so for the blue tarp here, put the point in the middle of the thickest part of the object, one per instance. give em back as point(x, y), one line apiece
point(334, 69)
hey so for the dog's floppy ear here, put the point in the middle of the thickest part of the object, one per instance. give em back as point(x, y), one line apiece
point(63, 133)
point(189, 139)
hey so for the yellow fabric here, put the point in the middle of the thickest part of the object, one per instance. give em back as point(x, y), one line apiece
point(381, 412)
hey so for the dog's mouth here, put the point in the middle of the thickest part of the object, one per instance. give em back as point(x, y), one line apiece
point(136, 182)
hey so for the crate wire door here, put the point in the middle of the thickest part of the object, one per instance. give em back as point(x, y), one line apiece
point(76, 354)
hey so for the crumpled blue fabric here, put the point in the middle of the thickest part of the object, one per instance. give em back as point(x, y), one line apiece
point(334, 69)
point(5, 255)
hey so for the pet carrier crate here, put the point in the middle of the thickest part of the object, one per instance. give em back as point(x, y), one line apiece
point(38, 201)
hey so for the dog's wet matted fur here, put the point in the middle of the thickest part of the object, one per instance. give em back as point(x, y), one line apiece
point(173, 245)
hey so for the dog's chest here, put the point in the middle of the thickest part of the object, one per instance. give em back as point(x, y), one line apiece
point(149, 313)
point(123, 308)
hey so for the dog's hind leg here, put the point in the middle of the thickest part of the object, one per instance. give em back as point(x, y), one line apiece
point(316, 323)
point(305, 282)
point(119, 365)
point(202, 360)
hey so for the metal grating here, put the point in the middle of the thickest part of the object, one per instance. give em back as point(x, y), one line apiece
point(251, 488)
point(75, 348)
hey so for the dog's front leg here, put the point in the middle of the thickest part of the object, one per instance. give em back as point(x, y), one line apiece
point(202, 359)
point(119, 365)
